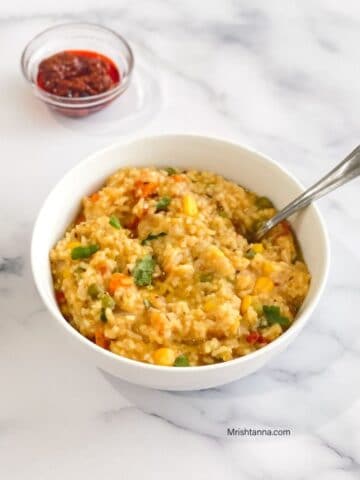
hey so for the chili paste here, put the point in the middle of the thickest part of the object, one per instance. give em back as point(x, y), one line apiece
point(77, 73)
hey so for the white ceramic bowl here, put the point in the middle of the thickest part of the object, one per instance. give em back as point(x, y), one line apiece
point(237, 163)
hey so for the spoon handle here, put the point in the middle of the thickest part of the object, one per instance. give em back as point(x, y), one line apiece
point(342, 173)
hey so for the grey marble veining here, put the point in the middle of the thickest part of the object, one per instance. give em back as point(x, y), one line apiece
point(282, 77)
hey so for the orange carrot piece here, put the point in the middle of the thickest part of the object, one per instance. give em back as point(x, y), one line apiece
point(100, 338)
point(145, 189)
point(178, 178)
point(95, 197)
point(119, 280)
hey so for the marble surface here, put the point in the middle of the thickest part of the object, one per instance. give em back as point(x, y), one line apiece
point(281, 76)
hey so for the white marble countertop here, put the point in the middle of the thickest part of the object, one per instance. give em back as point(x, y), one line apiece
point(281, 76)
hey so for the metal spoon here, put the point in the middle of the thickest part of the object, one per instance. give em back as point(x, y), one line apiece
point(342, 173)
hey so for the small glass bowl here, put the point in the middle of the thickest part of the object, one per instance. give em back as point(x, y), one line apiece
point(78, 36)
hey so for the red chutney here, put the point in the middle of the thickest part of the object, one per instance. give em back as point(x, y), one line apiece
point(77, 74)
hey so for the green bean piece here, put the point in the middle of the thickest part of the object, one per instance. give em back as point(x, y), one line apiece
point(84, 251)
point(107, 301)
point(103, 315)
point(181, 361)
point(263, 202)
point(115, 222)
point(162, 204)
point(94, 291)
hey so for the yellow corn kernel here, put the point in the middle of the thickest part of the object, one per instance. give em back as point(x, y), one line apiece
point(234, 328)
point(245, 304)
point(210, 304)
point(164, 356)
point(252, 317)
point(72, 245)
point(66, 273)
point(257, 247)
point(268, 268)
point(263, 285)
point(215, 251)
point(190, 206)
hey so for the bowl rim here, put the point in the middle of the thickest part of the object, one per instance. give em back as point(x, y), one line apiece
point(80, 102)
point(301, 320)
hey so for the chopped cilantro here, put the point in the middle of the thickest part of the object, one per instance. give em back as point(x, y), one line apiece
point(273, 315)
point(143, 271)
